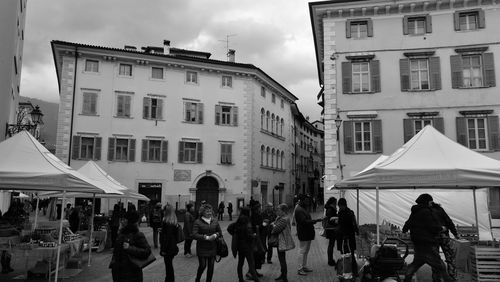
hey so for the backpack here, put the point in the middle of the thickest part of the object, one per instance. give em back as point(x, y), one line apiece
point(156, 217)
point(180, 234)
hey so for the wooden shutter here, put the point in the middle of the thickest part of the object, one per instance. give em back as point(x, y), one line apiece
point(375, 75)
point(229, 153)
point(200, 112)
point(438, 123)
point(144, 151)
point(408, 129)
point(199, 152)
point(404, 70)
point(348, 137)
point(456, 71)
point(481, 18)
point(461, 131)
point(131, 150)
point(489, 70)
point(111, 148)
point(348, 29)
point(235, 115)
point(164, 151)
point(435, 73)
point(159, 109)
point(97, 148)
point(346, 77)
point(377, 136)
point(456, 20)
point(369, 26)
point(405, 25)
point(181, 152)
point(428, 24)
point(146, 101)
point(218, 113)
point(493, 132)
point(75, 153)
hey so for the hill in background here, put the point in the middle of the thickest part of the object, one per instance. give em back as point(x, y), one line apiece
point(49, 127)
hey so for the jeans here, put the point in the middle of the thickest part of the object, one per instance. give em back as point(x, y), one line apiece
point(282, 259)
point(204, 262)
point(155, 237)
point(269, 249)
point(427, 254)
point(169, 269)
point(304, 247)
point(248, 255)
point(187, 246)
point(329, 250)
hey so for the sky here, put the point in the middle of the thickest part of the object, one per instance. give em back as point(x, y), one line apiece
point(274, 35)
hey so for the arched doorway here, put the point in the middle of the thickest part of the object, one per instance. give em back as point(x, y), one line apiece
point(207, 189)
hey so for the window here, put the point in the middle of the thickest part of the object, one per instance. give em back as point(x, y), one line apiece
point(277, 125)
point(272, 157)
point(121, 149)
point(472, 74)
point(89, 106)
point(420, 72)
point(267, 155)
point(417, 25)
point(277, 159)
point(470, 70)
point(190, 152)
point(123, 104)
point(193, 112)
point(273, 98)
point(227, 81)
point(362, 136)
point(156, 73)
point(86, 148)
point(226, 150)
point(272, 123)
point(469, 20)
point(282, 103)
point(479, 132)
point(226, 115)
point(262, 117)
point(268, 115)
point(359, 29)
point(282, 159)
point(154, 150)
point(91, 66)
point(282, 123)
point(15, 65)
point(192, 77)
point(262, 152)
point(360, 76)
point(476, 133)
point(152, 108)
point(263, 91)
point(413, 125)
point(125, 70)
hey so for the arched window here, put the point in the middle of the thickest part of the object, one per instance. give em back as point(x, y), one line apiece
point(272, 157)
point(277, 125)
point(267, 120)
point(262, 114)
point(277, 158)
point(267, 156)
point(262, 150)
point(272, 123)
point(282, 159)
point(281, 129)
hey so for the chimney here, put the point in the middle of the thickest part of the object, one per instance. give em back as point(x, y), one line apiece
point(130, 48)
point(166, 43)
point(230, 55)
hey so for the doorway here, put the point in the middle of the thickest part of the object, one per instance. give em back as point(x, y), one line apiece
point(207, 189)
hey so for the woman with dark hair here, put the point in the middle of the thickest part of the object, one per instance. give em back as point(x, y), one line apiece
point(168, 242)
point(130, 243)
point(282, 228)
point(188, 229)
point(348, 228)
point(330, 224)
point(242, 244)
point(206, 230)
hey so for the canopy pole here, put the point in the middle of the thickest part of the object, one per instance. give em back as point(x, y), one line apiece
point(357, 206)
point(60, 237)
point(377, 215)
point(475, 211)
point(36, 211)
point(91, 241)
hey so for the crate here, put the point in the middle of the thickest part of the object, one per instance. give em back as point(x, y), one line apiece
point(485, 264)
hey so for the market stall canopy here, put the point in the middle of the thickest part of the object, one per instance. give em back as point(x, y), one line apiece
point(429, 160)
point(25, 164)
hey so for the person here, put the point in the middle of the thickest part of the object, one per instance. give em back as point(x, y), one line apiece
point(220, 212)
point(155, 222)
point(168, 242)
point(260, 248)
point(243, 242)
point(115, 223)
point(230, 211)
point(206, 230)
point(130, 243)
point(74, 219)
point(347, 229)
point(269, 215)
point(305, 232)
point(424, 231)
point(188, 229)
point(67, 211)
point(330, 225)
point(281, 227)
point(445, 241)
point(6, 230)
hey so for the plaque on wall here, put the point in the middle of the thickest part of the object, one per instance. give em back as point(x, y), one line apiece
point(182, 175)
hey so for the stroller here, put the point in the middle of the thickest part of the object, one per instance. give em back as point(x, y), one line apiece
point(387, 261)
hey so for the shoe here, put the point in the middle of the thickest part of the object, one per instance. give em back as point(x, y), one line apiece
point(331, 263)
point(301, 272)
point(307, 269)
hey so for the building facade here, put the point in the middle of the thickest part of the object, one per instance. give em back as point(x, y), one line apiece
point(389, 68)
point(174, 124)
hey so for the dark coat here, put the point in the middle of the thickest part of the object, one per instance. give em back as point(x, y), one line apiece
point(243, 236)
point(139, 248)
point(444, 220)
point(188, 225)
point(347, 230)
point(423, 226)
point(168, 240)
point(206, 248)
point(156, 217)
point(330, 226)
point(230, 208)
point(305, 224)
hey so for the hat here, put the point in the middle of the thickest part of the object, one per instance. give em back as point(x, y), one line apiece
point(132, 216)
point(424, 199)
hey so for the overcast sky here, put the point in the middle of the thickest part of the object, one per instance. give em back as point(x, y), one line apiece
point(274, 35)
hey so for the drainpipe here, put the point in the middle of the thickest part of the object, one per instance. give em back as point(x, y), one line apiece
point(72, 108)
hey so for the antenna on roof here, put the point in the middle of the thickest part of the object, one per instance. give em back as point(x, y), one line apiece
point(227, 44)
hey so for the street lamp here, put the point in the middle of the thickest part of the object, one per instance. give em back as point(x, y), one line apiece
point(338, 123)
point(26, 121)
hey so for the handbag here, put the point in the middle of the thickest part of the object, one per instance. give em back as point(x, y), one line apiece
point(344, 263)
point(273, 241)
point(180, 234)
point(141, 263)
point(222, 250)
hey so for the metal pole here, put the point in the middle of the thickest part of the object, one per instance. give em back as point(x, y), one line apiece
point(377, 215)
point(357, 206)
point(60, 237)
point(91, 228)
point(36, 211)
point(475, 211)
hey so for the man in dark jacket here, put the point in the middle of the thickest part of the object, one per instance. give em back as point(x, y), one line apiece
point(155, 222)
point(424, 231)
point(348, 228)
point(305, 232)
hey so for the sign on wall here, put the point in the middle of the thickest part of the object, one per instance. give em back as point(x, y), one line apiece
point(182, 175)
point(150, 185)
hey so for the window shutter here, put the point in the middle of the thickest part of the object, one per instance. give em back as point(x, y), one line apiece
point(93, 104)
point(97, 148)
point(489, 70)
point(128, 100)
point(235, 115)
point(456, 20)
point(164, 151)
point(144, 151)
point(146, 102)
point(200, 112)
point(181, 152)
point(346, 77)
point(111, 149)
point(184, 113)
point(131, 150)
point(377, 136)
point(199, 152)
point(493, 132)
point(461, 131)
point(86, 103)
point(375, 75)
point(404, 69)
point(438, 123)
point(428, 24)
point(405, 25)
point(218, 112)
point(76, 148)
point(456, 71)
point(119, 106)
point(348, 138)
point(159, 109)
point(348, 28)
point(435, 73)
point(481, 19)
point(369, 27)
point(229, 151)
point(408, 129)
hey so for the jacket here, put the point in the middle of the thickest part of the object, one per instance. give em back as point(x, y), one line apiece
point(283, 229)
point(156, 217)
point(305, 224)
point(347, 223)
point(204, 247)
point(330, 226)
point(444, 220)
point(243, 236)
point(188, 225)
point(168, 240)
point(423, 226)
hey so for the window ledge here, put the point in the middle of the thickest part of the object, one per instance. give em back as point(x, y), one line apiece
point(154, 119)
point(89, 115)
point(272, 168)
point(191, 122)
point(91, 72)
point(227, 125)
point(420, 91)
point(153, 162)
point(358, 93)
point(363, 153)
point(126, 76)
point(224, 164)
point(123, 117)
point(272, 134)
point(473, 87)
point(186, 162)
point(157, 79)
